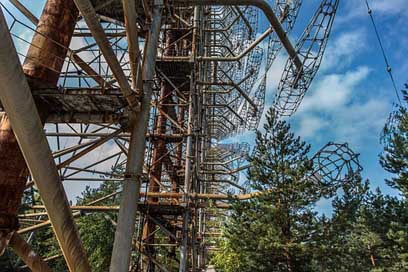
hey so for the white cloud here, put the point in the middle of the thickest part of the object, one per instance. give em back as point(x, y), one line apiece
point(341, 109)
point(311, 125)
point(356, 9)
point(342, 50)
point(361, 121)
point(333, 91)
point(390, 6)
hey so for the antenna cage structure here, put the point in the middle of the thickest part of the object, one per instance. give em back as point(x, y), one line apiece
point(310, 47)
point(334, 164)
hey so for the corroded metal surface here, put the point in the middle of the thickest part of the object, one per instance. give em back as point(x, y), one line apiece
point(45, 58)
point(201, 78)
point(26, 253)
point(80, 101)
point(13, 175)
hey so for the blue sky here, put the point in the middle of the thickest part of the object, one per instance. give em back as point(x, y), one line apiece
point(352, 95)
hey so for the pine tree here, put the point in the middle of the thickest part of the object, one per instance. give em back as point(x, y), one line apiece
point(367, 233)
point(340, 240)
point(274, 231)
point(394, 159)
point(387, 218)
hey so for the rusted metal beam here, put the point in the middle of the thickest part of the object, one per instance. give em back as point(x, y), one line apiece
point(18, 102)
point(159, 147)
point(45, 59)
point(128, 207)
point(204, 204)
point(13, 174)
point(48, 222)
point(72, 55)
point(27, 254)
point(45, 224)
point(56, 256)
point(92, 20)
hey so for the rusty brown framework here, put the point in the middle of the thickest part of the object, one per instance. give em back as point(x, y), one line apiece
point(140, 93)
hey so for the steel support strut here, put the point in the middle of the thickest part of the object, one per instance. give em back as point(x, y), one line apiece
point(130, 195)
point(160, 152)
point(26, 253)
point(18, 102)
point(45, 58)
point(189, 154)
point(265, 7)
point(187, 181)
point(92, 20)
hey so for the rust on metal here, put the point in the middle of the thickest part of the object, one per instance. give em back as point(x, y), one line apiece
point(45, 58)
point(43, 64)
point(13, 175)
point(27, 254)
point(159, 151)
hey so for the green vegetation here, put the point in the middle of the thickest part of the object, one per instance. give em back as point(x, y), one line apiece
point(279, 230)
point(96, 231)
point(395, 156)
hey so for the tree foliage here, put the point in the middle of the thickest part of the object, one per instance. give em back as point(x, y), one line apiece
point(280, 231)
point(394, 159)
point(273, 232)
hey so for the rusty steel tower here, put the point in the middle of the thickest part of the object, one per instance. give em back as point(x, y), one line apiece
point(151, 87)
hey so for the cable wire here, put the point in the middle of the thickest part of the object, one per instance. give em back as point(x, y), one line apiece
point(389, 69)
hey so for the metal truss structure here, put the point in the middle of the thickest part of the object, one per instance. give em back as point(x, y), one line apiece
point(334, 164)
point(143, 93)
point(310, 47)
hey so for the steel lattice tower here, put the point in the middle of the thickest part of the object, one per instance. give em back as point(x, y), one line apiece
point(142, 93)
